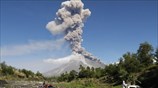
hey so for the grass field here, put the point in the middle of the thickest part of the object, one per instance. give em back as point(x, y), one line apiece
point(86, 83)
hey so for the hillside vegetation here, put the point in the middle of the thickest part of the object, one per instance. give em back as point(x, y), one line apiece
point(11, 73)
point(139, 68)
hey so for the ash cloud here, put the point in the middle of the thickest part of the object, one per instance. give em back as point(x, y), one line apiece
point(70, 21)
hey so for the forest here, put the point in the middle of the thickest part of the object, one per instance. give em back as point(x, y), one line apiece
point(139, 68)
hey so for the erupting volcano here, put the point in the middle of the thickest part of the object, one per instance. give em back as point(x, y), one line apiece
point(70, 21)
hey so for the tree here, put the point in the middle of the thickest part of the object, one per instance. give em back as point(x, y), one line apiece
point(111, 72)
point(6, 70)
point(128, 67)
point(82, 72)
point(99, 72)
point(72, 75)
point(123, 74)
point(131, 64)
point(4, 67)
point(81, 68)
point(28, 73)
point(92, 72)
point(149, 77)
point(63, 77)
point(145, 54)
point(10, 70)
point(89, 72)
point(39, 74)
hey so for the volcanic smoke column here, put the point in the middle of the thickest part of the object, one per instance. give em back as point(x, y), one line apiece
point(70, 21)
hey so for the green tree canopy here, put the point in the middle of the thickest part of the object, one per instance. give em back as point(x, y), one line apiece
point(145, 54)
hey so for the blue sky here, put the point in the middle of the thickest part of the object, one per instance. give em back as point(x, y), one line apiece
point(113, 28)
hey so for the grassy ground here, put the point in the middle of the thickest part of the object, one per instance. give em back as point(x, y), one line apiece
point(80, 83)
point(86, 83)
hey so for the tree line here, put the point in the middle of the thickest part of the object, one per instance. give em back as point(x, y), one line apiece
point(9, 72)
point(135, 68)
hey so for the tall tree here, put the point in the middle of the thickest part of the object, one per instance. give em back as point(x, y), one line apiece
point(131, 64)
point(6, 70)
point(72, 75)
point(111, 72)
point(145, 54)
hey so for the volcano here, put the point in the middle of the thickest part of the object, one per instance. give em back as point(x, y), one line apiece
point(70, 22)
point(73, 63)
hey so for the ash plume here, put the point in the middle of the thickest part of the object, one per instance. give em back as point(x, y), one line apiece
point(70, 21)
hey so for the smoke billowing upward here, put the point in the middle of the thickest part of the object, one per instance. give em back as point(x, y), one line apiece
point(70, 21)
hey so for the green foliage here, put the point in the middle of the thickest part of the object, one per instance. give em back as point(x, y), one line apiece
point(85, 83)
point(86, 72)
point(131, 67)
point(83, 72)
point(145, 54)
point(99, 72)
point(38, 74)
point(63, 77)
point(130, 63)
point(11, 73)
point(6, 70)
point(72, 75)
point(28, 73)
point(123, 74)
point(111, 73)
point(149, 77)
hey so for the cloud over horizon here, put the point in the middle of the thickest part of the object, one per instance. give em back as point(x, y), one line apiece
point(31, 47)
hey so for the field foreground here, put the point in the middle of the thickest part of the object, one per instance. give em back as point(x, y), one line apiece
point(84, 83)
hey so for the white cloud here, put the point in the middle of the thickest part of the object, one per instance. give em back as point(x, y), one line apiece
point(33, 65)
point(31, 47)
point(59, 60)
